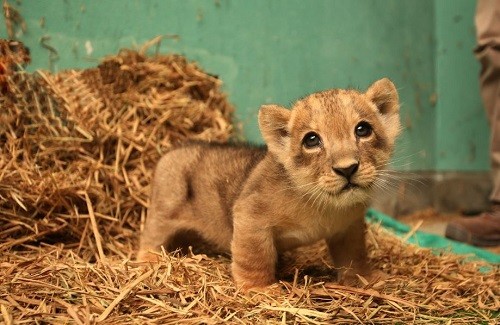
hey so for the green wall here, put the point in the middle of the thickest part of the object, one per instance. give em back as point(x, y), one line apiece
point(277, 51)
point(462, 131)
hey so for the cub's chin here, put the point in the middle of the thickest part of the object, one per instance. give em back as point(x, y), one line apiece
point(348, 195)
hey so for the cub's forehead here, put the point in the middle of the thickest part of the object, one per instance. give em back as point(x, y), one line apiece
point(336, 106)
point(331, 101)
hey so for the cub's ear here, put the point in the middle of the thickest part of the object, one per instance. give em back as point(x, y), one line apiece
point(384, 95)
point(273, 124)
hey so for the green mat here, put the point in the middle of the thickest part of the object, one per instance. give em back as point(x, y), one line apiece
point(424, 239)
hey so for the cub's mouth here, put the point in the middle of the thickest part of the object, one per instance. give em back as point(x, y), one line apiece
point(349, 186)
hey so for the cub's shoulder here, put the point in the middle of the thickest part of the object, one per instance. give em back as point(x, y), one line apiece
point(224, 148)
point(215, 154)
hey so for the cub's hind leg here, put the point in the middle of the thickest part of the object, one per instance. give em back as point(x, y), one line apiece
point(160, 231)
point(170, 209)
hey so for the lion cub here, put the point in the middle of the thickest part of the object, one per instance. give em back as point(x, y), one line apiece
point(312, 182)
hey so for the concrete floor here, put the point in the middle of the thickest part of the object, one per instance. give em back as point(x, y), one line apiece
point(430, 221)
point(416, 198)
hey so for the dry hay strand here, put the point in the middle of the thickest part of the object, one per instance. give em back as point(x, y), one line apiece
point(52, 284)
point(13, 20)
point(78, 148)
point(13, 55)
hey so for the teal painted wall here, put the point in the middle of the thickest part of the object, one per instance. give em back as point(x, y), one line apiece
point(277, 51)
point(462, 130)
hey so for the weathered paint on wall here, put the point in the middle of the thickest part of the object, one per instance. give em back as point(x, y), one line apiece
point(277, 51)
point(462, 130)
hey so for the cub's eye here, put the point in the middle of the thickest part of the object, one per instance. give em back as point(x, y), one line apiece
point(363, 129)
point(311, 140)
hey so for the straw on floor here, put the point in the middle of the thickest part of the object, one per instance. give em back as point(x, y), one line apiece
point(53, 283)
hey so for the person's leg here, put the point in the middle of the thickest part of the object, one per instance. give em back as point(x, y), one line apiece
point(489, 57)
point(484, 230)
point(487, 22)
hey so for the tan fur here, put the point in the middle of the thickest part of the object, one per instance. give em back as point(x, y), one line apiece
point(255, 203)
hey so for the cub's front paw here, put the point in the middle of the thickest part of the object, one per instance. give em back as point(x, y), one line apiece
point(147, 256)
point(353, 277)
point(255, 280)
point(376, 275)
point(256, 294)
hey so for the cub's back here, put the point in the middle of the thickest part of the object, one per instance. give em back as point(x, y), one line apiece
point(212, 173)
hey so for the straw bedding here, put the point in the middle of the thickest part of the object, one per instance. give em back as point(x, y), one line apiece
point(79, 147)
point(77, 150)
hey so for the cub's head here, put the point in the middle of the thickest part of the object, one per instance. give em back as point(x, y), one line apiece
point(334, 144)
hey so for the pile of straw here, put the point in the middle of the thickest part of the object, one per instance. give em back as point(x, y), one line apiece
point(78, 148)
point(77, 151)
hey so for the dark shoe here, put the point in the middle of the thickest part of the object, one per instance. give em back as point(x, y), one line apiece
point(483, 230)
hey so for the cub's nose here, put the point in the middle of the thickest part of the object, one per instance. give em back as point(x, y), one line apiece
point(347, 172)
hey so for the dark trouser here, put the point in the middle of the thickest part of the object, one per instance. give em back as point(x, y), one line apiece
point(488, 53)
